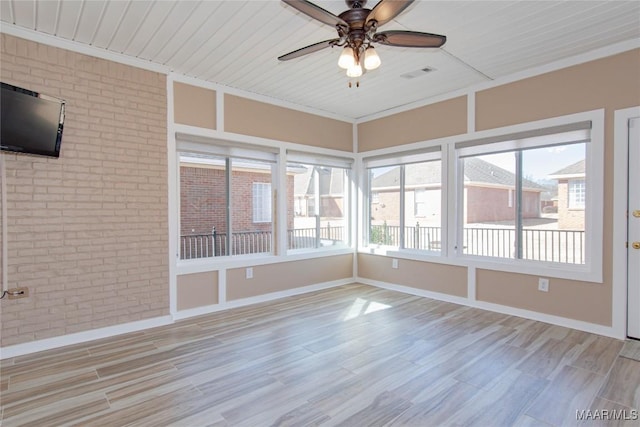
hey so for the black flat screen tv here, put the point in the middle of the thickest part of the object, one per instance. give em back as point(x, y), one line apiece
point(30, 122)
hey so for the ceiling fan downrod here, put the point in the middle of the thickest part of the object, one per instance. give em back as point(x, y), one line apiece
point(355, 4)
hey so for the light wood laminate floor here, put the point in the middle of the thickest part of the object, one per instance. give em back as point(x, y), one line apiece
point(353, 355)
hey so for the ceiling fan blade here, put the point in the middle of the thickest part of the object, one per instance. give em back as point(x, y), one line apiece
point(386, 10)
point(409, 39)
point(308, 49)
point(316, 12)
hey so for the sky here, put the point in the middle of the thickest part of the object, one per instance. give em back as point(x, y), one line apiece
point(539, 163)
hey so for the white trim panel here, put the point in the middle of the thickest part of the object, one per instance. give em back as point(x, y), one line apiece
point(173, 201)
point(239, 261)
point(199, 311)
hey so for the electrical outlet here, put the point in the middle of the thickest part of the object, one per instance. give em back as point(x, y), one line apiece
point(394, 263)
point(15, 293)
point(543, 284)
point(250, 273)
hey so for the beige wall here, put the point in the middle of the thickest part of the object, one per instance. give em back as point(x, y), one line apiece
point(197, 290)
point(588, 302)
point(248, 117)
point(433, 121)
point(610, 83)
point(194, 106)
point(288, 275)
point(87, 232)
point(446, 279)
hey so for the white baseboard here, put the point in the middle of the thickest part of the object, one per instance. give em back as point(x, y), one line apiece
point(504, 309)
point(199, 311)
point(414, 291)
point(80, 337)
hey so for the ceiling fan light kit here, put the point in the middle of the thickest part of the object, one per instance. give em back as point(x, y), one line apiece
point(355, 70)
point(371, 59)
point(347, 58)
point(357, 29)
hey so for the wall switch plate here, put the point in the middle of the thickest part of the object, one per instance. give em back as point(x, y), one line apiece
point(394, 263)
point(249, 272)
point(543, 284)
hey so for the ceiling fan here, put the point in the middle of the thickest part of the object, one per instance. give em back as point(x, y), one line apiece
point(358, 30)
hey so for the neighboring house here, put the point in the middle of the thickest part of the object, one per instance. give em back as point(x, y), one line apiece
point(331, 183)
point(203, 204)
point(489, 194)
point(571, 196)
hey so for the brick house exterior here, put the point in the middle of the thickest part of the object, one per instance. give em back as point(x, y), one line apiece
point(203, 199)
point(489, 195)
point(571, 208)
point(331, 188)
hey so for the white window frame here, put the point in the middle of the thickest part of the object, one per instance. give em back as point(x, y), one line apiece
point(452, 211)
point(434, 152)
point(261, 202)
point(232, 152)
point(333, 162)
point(572, 202)
point(591, 271)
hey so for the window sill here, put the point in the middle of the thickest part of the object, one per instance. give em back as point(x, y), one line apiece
point(575, 272)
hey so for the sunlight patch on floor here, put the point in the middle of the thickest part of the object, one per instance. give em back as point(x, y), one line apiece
point(361, 307)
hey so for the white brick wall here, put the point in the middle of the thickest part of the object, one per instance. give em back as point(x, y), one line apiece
point(87, 231)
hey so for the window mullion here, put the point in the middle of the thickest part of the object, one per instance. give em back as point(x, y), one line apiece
point(229, 239)
point(518, 205)
point(316, 203)
point(401, 243)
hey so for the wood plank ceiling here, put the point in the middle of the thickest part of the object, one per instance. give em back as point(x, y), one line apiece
point(236, 43)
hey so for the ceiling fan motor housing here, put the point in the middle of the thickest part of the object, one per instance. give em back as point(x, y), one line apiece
point(356, 34)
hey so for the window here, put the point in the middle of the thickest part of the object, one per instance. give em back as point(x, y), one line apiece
point(528, 201)
point(317, 201)
point(577, 193)
point(537, 176)
point(408, 211)
point(225, 200)
point(384, 216)
point(261, 202)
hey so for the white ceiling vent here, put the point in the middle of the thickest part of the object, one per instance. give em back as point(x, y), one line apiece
point(417, 73)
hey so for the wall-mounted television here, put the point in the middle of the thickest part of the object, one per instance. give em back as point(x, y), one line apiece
point(30, 121)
